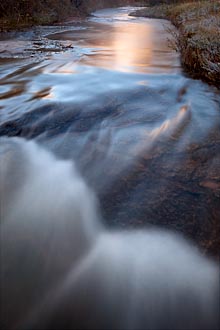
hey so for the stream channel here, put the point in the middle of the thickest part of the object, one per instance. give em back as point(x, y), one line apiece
point(110, 94)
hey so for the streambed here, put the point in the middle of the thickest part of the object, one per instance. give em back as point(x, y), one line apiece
point(110, 94)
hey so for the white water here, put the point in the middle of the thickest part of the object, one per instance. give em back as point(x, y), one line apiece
point(61, 269)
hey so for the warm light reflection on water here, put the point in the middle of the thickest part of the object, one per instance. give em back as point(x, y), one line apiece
point(133, 47)
point(172, 125)
point(130, 46)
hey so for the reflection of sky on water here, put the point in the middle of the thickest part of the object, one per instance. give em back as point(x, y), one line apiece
point(118, 104)
point(124, 43)
point(106, 58)
point(118, 58)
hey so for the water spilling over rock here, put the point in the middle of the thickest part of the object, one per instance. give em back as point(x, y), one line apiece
point(106, 98)
point(62, 269)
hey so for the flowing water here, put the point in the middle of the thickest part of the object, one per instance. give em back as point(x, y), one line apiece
point(107, 100)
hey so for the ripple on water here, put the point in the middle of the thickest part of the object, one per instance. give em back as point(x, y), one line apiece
point(116, 108)
point(118, 103)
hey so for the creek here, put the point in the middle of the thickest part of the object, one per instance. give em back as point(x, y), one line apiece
point(108, 98)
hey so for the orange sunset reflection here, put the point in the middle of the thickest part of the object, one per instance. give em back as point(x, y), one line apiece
point(132, 47)
point(124, 48)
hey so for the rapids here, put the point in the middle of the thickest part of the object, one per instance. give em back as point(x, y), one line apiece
point(109, 180)
point(61, 269)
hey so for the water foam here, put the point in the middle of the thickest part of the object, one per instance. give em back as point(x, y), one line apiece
point(61, 269)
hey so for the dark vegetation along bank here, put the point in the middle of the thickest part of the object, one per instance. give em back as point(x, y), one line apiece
point(197, 37)
point(22, 13)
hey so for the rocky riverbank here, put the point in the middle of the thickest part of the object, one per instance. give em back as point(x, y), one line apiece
point(197, 37)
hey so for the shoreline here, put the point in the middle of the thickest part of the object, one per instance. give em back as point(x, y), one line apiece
point(13, 25)
point(22, 16)
point(197, 36)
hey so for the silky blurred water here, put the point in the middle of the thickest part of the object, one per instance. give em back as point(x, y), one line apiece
point(114, 107)
point(62, 269)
